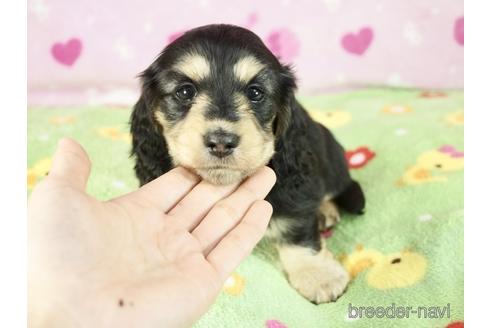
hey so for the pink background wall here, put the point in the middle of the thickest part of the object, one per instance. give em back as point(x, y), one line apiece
point(332, 43)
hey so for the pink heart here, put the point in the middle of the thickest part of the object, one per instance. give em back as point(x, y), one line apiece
point(251, 20)
point(451, 151)
point(447, 149)
point(67, 53)
point(358, 43)
point(284, 44)
point(274, 324)
point(459, 30)
point(171, 38)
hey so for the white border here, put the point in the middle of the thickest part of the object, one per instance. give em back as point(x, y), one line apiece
point(478, 163)
point(478, 144)
point(13, 137)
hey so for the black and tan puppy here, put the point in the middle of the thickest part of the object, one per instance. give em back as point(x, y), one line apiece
point(218, 102)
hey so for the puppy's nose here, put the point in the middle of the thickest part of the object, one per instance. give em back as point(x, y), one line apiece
point(221, 143)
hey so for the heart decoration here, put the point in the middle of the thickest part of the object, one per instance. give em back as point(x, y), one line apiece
point(459, 30)
point(283, 43)
point(67, 53)
point(175, 35)
point(448, 149)
point(358, 43)
point(251, 20)
point(274, 324)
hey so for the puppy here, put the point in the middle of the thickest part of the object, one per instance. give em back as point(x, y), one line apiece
point(218, 102)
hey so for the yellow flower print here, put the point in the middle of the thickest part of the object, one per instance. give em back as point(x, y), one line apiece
point(433, 166)
point(397, 109)
point(114, 133)
point(456, 118)
point(234, 285)
point(61, 120)
point(39, 170)
point(396, 270)
point(331, 119)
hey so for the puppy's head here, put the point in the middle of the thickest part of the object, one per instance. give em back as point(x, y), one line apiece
point(219, 98)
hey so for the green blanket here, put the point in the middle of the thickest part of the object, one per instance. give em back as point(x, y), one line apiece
point(405, 147)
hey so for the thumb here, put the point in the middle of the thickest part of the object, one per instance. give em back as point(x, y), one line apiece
point(71, 164)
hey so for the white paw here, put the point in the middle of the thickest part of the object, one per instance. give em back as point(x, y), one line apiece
point(321, 279)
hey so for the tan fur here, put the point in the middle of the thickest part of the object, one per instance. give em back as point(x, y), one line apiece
point(329, 211)
point(246, 68)
point(195, 66)
point(186, 147)
point(317, 276)
point(161, 119)
point(278, 227)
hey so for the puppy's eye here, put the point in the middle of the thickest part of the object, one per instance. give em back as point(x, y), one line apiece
point(255, 94)
point(186, 92)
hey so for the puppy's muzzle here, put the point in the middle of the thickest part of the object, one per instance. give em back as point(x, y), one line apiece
point(221, 143)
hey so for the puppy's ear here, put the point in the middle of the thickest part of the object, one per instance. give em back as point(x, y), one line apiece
point(142, 122)
point(287, 100)
point(150, 86)
point(148, 144)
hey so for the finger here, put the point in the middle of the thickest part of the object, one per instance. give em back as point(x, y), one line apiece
point(71, 164)
point(165, 191)
point(239, 243)
point(228, 212)
point(190, 210)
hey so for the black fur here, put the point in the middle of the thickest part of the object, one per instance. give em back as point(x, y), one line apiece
point(309, 162)
point(148, 146)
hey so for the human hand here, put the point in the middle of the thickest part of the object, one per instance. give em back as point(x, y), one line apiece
point(156, 257)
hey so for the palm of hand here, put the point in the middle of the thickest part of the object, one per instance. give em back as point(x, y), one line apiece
point(150, 254)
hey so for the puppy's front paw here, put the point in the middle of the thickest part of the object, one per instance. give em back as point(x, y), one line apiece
point(329, 213)
point(320, 278)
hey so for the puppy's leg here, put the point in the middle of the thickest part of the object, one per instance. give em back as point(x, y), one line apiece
point(311, 270)
point(329, 214)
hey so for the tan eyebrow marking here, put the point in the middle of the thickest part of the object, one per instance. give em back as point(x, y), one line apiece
point(195, 66)
point(246, 68)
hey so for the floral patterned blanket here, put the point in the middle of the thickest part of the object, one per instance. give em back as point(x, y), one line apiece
point(405, 254)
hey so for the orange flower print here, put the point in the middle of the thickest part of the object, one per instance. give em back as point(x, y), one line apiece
point(432, 94)
point(456, 324)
